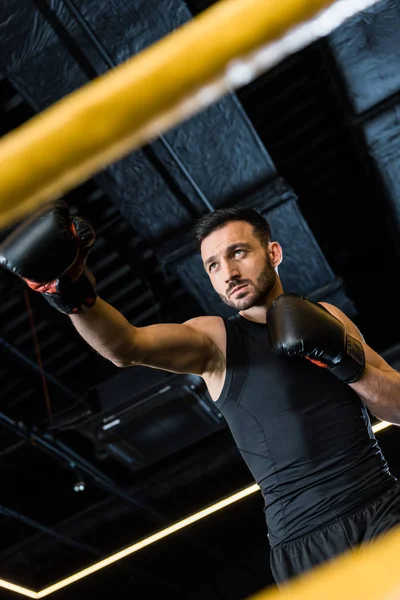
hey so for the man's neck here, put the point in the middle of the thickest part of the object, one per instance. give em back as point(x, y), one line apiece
point(258, 314)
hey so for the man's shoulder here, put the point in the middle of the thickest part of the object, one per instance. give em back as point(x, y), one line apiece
point(334, 310)
point(205, 322)
point(350, 326)
point(211, 326)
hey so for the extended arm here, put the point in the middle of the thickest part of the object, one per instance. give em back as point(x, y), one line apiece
point(179, 348)
point(49, 250)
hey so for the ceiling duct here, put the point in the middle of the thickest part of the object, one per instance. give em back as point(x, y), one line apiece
point(366, 54)
point(142, 416)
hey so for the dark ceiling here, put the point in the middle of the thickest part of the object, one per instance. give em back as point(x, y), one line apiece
point(314, 145)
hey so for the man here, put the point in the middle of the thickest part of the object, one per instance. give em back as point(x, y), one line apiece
point(293, 378)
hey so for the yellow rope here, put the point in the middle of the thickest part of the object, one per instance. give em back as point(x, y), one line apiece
point(368, 573)
point(107, 118)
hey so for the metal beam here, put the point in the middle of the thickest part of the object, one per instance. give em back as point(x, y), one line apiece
point(74, 462)
point(63, 539)
point(35, 367)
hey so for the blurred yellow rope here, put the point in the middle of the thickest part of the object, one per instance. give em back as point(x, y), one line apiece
point(367, 573)
point(121, 110)
point(107, 118)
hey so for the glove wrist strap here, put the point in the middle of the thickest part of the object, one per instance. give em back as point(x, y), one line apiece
point(352, 365)
point(73, 298)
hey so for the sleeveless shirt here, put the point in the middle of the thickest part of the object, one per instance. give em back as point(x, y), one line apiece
point(305, 435)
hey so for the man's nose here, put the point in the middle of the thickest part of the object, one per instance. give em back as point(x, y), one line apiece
point(231, 273)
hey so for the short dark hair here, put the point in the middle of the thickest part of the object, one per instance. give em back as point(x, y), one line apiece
point(221, 216)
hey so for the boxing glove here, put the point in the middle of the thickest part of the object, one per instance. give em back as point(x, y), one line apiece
point(48, 251)
point(298, 327)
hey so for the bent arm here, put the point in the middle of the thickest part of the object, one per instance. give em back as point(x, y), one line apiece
point(179, 348)
point(379, 386)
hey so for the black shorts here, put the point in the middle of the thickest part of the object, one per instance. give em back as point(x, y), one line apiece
point(292, 558)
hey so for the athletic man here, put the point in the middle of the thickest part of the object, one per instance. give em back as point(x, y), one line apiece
point(293, 378)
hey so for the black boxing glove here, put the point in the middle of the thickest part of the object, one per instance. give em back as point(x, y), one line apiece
point(49, 251)
point(298, 327)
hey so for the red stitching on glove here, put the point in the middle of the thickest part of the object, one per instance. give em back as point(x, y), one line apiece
point(43, 288)
point(317, 362)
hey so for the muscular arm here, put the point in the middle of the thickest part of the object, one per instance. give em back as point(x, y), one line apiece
point(379, 386)
point(179, 348)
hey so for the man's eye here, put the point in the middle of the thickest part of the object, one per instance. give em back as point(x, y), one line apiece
point(239, 250)
point(212, 266)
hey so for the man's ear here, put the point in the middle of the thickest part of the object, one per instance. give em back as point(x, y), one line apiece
point(275, 253)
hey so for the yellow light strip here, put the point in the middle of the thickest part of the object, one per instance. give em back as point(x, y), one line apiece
point(147, 541)
point(13, 587)
point(381, 425)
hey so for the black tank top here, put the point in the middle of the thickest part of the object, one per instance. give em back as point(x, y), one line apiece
point(305, 435)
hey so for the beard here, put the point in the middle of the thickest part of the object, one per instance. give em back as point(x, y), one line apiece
point(256, 293)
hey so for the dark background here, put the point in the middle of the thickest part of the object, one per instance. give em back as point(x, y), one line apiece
point(313, 145)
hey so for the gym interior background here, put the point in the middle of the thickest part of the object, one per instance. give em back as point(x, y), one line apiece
point(93, 458)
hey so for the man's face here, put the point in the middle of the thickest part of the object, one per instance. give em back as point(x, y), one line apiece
point(239, 266)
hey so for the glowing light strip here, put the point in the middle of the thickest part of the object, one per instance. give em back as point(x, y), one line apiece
point(381, 425)
point(145, 542)
point(238, 73)
point(148, 541)
point(13, 587)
